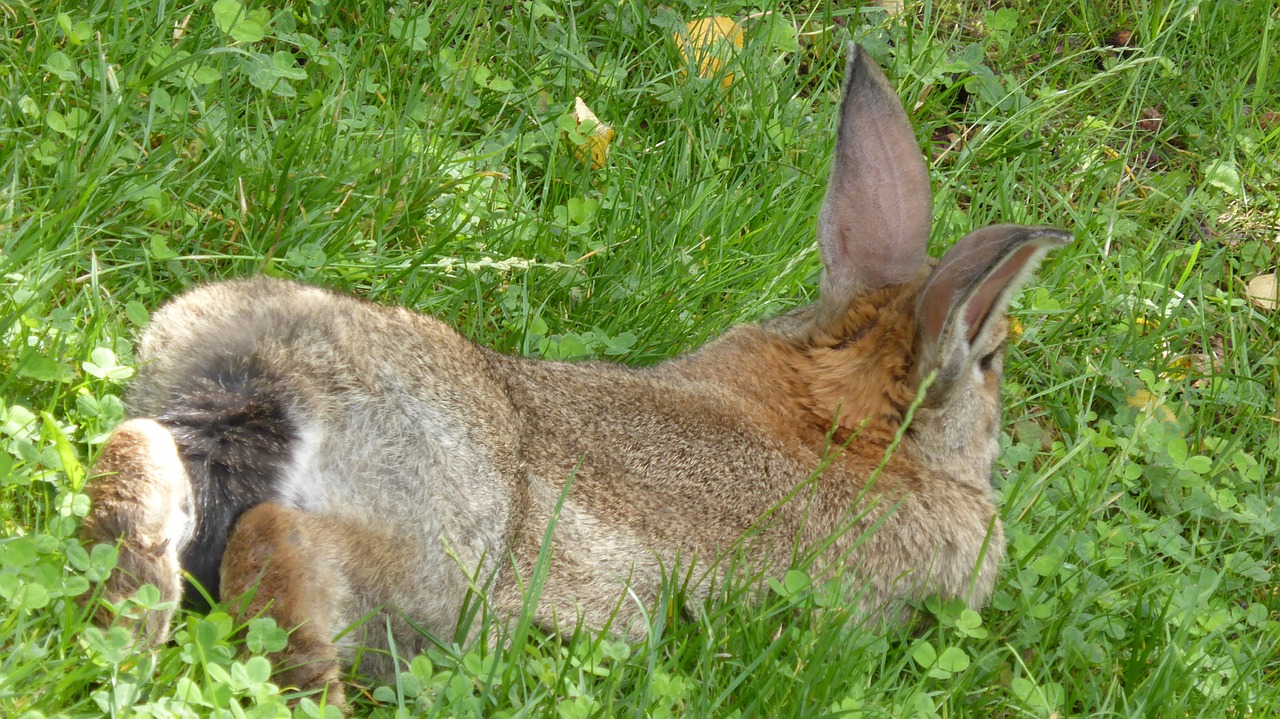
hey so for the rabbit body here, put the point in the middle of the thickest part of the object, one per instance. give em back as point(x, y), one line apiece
point(329, 458)
point(402, 429)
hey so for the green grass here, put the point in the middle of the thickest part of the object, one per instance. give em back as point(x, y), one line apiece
point(406, 151)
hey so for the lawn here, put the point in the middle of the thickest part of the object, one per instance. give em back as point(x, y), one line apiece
point(428, 154)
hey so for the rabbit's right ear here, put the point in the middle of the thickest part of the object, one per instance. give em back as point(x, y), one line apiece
point(972, 286)
point(874, 224)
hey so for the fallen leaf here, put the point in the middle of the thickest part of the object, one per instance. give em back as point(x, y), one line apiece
point(1150, 404)
point(1120, 38)
point(1263, 291)
point(710, 42)
point(1151, 119)
point(180, 28)
point(1120, 44)
point(1178, 367)
point(596, 135)
point(1148, 159)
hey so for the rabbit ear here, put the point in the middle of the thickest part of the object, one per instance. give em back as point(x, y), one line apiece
point(973, 284)
point(874, 224)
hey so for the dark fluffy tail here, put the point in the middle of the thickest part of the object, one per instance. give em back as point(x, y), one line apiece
point(235, 439)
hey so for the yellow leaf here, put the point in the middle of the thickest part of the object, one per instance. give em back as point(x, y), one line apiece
point(1178, 367)
point(710, 43)
point(596, 136)
point(1263, 291)
point(1151, 404)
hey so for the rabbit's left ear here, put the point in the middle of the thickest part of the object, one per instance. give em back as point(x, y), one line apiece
point(971, 286)
point(874, 223)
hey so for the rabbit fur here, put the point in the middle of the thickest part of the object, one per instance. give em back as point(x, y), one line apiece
point(320, 458)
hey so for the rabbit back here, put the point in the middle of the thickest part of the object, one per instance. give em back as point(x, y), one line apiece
point(735, 454)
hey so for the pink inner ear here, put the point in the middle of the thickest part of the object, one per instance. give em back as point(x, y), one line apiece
point(874, 223)
point(978, 310)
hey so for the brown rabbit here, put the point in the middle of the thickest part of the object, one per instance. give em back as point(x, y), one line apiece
point(328, 458)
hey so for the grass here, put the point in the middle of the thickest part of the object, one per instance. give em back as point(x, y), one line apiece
point(412, 153)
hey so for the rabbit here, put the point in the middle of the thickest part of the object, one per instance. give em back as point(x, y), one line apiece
point(318, 458)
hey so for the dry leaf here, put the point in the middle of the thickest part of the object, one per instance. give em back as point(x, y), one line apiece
point(712, 42)
point(596, 136)
point(1178, 367)
point(1150, 404)
point(180, 28)
point(1120, 38)
point(1263, 291)
point(1151, 119)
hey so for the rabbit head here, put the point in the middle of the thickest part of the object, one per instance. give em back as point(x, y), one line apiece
point(889, 319)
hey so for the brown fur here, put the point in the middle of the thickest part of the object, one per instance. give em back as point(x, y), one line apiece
point(282, 563)
point(404, 467)
point(860, 369)
point(139, 497)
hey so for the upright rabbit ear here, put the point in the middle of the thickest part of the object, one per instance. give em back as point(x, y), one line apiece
point(874, 224)
point(971, 287)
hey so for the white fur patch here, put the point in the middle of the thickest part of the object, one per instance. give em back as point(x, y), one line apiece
point(299, 487)
point(171, 488)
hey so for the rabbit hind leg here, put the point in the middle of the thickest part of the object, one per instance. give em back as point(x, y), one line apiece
point(291, 566)
point(141, 501)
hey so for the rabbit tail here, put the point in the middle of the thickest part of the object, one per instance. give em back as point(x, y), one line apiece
point(235, 437)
